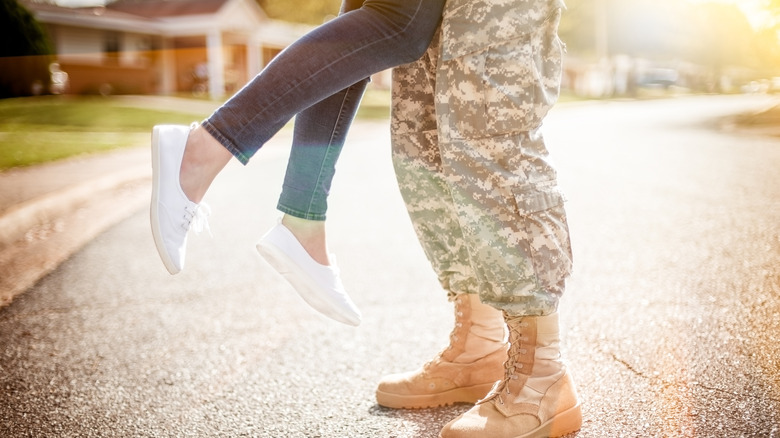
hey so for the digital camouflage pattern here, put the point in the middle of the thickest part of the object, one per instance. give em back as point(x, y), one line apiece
point(471, 161)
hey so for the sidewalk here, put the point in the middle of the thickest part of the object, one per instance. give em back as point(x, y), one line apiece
point(49, 211)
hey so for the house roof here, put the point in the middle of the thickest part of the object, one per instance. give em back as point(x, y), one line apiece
point(97, 17)
point(173, 18)
point(160, 17)
point(166, 8)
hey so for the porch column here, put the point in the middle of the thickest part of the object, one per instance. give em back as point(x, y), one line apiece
point(167, 68)
point(216, 64)
point(253, 61)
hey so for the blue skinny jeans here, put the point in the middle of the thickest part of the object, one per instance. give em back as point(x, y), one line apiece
point(320, 79)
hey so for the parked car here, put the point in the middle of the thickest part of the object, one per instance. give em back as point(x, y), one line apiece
point(658, 77)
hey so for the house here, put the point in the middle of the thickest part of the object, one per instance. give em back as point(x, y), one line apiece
point(163, 46)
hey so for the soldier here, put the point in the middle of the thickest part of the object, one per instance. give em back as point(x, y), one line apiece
point(473, 170)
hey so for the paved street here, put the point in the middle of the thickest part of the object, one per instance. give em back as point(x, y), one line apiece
point(670, 321)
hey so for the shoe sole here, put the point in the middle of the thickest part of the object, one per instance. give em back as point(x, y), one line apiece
point(154, 216)
point(568, 421)
point(470, 394)
point(301, 282)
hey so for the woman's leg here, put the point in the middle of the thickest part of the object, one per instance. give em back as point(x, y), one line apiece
point(319, 137)
point(320, 132)
point(379, 35)
point(334, 56)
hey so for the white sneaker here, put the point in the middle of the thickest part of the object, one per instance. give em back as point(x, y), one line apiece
point(319, 285)
point(172, 214)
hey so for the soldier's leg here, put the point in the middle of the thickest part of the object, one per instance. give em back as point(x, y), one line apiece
point(466, 370)
point(491, 99)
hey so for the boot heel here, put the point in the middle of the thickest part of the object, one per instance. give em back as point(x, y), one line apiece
point(566, 422)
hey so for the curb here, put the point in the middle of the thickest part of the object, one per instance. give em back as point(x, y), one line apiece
point(19, 219)
point(38, 235)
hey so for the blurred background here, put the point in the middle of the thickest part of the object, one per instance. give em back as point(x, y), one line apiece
point(667, 147)
point(208, 49)
point(619, 47)
point(212, 47)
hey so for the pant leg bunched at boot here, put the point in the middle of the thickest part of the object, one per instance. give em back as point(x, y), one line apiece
point(535, 398)
point(462, 373)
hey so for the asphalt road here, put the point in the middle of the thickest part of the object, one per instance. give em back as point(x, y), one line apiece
point(670, 321)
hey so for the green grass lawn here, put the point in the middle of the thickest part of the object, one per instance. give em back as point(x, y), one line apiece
point(41, 129)
point(36, 130)
point(375, 105)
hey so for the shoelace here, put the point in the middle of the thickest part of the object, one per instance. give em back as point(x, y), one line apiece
point(510, 366)
point(196, 218)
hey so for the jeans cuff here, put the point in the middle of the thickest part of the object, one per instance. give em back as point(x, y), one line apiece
point(299, 214)
point(227, 144)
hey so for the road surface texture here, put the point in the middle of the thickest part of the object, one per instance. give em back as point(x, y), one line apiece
point(670, 321)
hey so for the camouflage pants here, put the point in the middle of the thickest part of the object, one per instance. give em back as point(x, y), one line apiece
point(470, 160)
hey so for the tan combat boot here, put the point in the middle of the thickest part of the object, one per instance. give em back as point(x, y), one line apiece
point(536, 397)
point(464, 372)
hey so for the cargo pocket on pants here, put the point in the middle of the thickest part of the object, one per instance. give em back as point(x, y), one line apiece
point(544, 218)
point(503, 86)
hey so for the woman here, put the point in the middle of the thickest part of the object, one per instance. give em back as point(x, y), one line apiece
point(320, 78)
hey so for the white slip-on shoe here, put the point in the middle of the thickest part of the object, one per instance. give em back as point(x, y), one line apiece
point(319, 285)
point(172, 214)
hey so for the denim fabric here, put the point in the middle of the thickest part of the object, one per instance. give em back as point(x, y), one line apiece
point(325, 72)
point(320, 132)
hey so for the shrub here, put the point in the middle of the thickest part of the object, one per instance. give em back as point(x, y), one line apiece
point(25, 52)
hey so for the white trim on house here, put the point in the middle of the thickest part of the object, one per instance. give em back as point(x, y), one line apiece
point(232, 37)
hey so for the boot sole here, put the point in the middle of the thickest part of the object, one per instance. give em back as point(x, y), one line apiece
point(470, 394)
point(566, 422)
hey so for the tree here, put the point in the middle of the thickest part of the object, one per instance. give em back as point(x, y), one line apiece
point(773, 6)
point(25, 52)
point(724, 36)
point(577, 28)
point(769, 37)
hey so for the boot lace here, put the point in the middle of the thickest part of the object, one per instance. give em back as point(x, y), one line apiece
point(512, 367)
point(196, 217)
